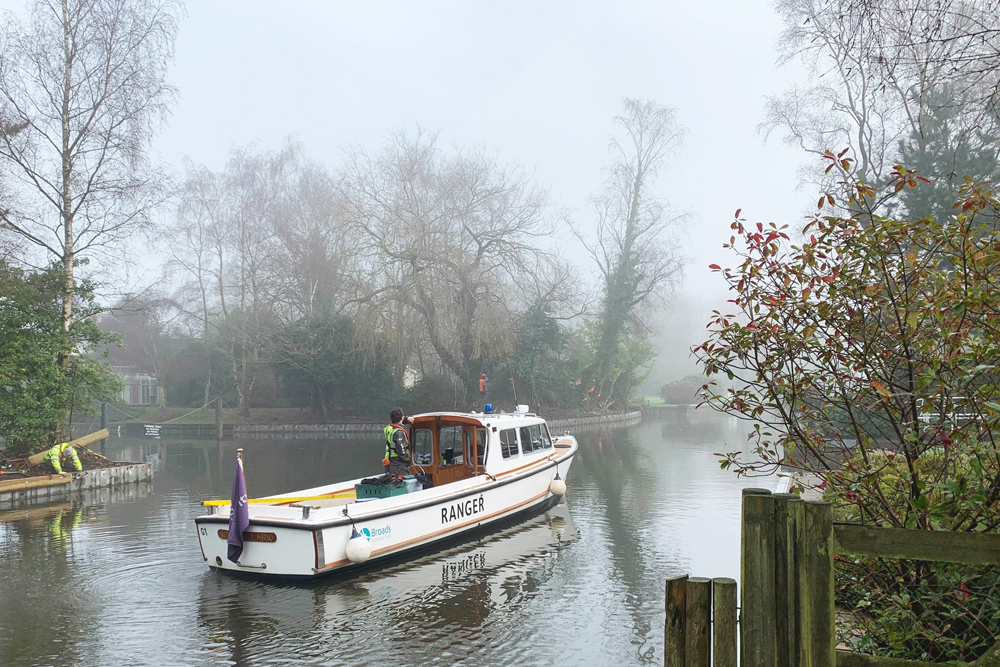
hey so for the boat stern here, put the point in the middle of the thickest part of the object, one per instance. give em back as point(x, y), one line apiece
point(292, 550)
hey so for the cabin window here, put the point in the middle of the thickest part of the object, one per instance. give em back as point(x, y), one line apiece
point(423, 447)
point(538, 438)
point(450, 445)
point(546, 437)
point(508, 443)
point(526, 445)
point(481, 437)
point(531, 438)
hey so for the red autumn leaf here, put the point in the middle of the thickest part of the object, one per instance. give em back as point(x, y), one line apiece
point(714, 267)
point(737, 213)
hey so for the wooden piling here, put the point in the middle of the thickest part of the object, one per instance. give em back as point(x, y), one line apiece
point(699, 623)
point(757, 629)
point(218, 419)
point(724, 622)
point(818, 594)
point(675, 626)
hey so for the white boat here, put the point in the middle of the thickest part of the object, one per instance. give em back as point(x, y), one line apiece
point(483, 469)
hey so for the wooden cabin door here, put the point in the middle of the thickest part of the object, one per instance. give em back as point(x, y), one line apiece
point(451, 465)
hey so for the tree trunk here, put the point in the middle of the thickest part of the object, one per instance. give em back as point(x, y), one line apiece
point(66, 316)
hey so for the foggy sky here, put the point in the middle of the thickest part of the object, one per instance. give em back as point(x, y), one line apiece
point(537, 82)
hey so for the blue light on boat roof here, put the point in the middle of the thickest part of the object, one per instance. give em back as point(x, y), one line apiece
point(488, 408)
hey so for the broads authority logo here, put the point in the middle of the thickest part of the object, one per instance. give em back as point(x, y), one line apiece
point(377, 534)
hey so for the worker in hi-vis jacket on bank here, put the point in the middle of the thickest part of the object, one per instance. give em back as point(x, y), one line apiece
point(63, 452)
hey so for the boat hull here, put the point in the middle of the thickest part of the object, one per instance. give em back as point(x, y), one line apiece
point(317, 546)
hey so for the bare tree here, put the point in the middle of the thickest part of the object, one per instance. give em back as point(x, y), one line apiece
point(634, 249)
point(254, 184)
point(87, 80)
point(191, 244)
point(883, 72)
point(317, 261)
point(449, 238)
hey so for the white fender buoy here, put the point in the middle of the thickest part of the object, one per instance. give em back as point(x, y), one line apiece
point(557, 487)
point(358, 548)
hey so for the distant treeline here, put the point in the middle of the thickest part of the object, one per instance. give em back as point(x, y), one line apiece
point(400, 278)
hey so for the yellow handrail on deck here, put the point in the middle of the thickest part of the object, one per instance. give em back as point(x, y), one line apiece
point(282, 501)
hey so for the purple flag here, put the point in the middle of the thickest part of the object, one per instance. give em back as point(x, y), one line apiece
point(239, 514)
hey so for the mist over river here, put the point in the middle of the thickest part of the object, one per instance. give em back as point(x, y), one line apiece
point(117, 578)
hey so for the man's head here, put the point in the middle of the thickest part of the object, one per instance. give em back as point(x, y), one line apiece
point(396, 416)
point(482, 375)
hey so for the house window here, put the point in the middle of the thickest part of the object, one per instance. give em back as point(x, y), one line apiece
point(143, 390)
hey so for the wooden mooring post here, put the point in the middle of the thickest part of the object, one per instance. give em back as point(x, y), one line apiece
point(701, 622)
point(787, 565)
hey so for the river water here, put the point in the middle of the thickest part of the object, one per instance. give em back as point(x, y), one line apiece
point(117, 578)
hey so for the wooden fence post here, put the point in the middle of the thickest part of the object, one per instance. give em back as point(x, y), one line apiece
point(675, 626)
point(818, 594)
point(757, 617)
point(724, 622)
point(785, 580)
point(797, 577)
point(699, 623)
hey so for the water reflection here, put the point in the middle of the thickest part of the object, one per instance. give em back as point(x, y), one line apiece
point(46, 557)
point(417, 607)
point(119, 578)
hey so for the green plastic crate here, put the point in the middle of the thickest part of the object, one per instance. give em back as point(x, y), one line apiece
point(379, 490)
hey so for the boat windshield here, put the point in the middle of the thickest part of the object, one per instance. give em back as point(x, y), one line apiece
point(423, 446)
point(450, 445)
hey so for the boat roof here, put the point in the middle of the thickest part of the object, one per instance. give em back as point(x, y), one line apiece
point(477, 418)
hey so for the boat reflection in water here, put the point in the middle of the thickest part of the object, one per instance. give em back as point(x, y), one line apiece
point(433, 599)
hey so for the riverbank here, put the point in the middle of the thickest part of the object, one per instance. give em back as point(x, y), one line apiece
point(18, 491)
point(348, 428)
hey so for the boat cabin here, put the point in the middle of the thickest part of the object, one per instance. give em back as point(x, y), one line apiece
point(449, 447)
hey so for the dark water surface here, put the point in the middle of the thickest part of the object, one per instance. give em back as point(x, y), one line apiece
point(118, 579)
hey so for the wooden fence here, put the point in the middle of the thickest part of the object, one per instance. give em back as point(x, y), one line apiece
point(786, 616)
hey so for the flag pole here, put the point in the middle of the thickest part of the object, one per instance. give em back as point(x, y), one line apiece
point(239, 457)
point(239, 514)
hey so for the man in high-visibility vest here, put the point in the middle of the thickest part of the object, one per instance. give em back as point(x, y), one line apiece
point(62, 452)
point(397, 444)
